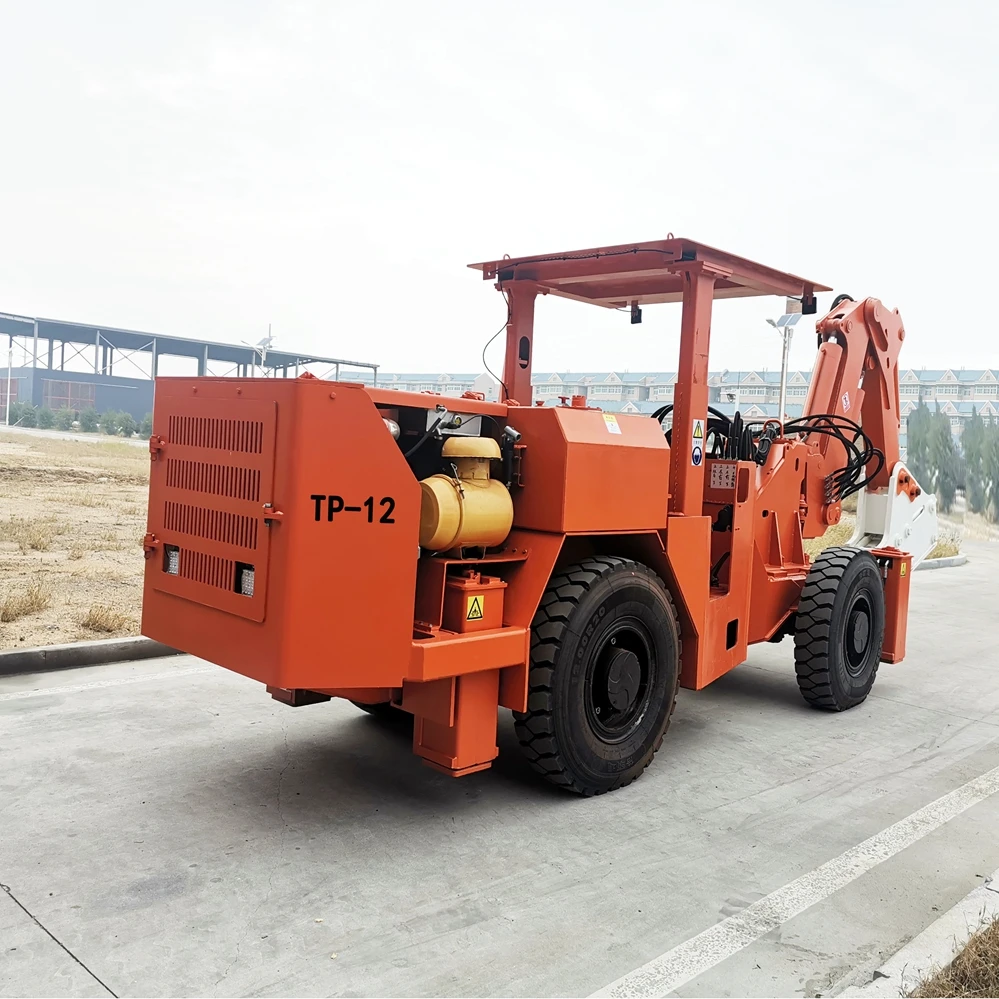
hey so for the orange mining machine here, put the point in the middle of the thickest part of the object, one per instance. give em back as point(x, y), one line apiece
point(446, 557)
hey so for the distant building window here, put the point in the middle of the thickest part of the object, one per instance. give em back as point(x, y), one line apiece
point(67, 395)
point(3, 392)
point(947, 390)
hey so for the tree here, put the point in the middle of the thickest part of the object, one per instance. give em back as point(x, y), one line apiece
point(943, 460)
point(110, 422)
point(126, 424)
point(918, 445)
point(64, 419)
point(45, 418)
point(973, 443)
point(146, 427)
point(89, 420)
point(990, 471)
point(28, 416)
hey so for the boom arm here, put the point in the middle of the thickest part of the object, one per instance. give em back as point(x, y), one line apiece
point(856, 376)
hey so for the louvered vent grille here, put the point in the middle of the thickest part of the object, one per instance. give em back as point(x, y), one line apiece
point(216, 480)
point(215, 525)
point(208, 569)
point(217, 433)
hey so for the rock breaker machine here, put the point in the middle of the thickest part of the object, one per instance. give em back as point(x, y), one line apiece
point(446, 557)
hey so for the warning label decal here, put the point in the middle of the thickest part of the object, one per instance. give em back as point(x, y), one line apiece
point(475, 605)
point(697, 443)
point(610, 421)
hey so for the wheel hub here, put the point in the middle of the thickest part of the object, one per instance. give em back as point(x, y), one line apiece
point(858, 636)
point(619, 683)
point(624, 677)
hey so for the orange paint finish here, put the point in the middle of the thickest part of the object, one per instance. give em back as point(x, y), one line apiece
point(897, 569)
point(585, 471)
point(316, 631)
point(469, 743)
point(908, 485)
point(284, 518)
point(473, 602)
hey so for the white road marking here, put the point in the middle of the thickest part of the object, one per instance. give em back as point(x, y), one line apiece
point(682, 964)
point(73, 688)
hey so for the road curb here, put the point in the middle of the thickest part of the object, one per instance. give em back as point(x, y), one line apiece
point(936, 946)
point(942, 563)
point(75, 654)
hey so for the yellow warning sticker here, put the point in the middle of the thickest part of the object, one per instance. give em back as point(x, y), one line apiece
point(902, 570)
point(610, 421)
point(475, 607)
point(698, 430)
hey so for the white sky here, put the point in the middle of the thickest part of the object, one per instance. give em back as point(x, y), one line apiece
point(204, 168)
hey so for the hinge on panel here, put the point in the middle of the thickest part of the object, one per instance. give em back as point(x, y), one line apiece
point(149, 545)
point(270, 514)
point(156, 444)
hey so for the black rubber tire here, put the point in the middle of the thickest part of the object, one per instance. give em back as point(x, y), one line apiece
point(834, 670)
point(583, 608)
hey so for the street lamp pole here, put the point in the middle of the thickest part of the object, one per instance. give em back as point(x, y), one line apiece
point(10, 364)
point(785, 327)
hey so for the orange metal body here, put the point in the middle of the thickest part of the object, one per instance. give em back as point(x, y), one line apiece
point(297, 486)
point(897, 569)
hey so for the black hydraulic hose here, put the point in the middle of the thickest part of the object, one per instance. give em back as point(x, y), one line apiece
point(423, 440)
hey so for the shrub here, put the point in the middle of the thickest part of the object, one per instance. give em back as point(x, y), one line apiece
point(89, 420)
point(109, 422)
point(105, 619)
point(27, 415)
point(64, 419)
point(34, 599)
point(126, 424)
point(146, 427)
point(45, 418)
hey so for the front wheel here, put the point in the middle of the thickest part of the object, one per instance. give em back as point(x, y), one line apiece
point(605, 669)
point(839, 629)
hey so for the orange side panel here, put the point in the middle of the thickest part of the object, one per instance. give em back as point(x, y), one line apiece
point(590, 472)
point(339, 575)
point(688, 542)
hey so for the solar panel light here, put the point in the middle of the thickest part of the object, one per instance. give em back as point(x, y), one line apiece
point(171, 560)
point(244, 579)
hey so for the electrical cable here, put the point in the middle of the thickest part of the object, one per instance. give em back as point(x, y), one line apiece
point(485, 363)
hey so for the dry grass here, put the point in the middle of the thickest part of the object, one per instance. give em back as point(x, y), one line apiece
point(945, 548)
point(838, 534)
point(104, 619)
point(31, 534)
point(973, 973)
point(72, 514)
point(33, 600)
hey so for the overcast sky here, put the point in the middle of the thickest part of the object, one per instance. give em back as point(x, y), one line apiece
point(202, 169)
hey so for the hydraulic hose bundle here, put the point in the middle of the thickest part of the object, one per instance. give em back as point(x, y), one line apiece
point(733, 439)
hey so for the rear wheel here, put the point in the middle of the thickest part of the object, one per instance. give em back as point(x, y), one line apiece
point(839, 629)
point(605, 669)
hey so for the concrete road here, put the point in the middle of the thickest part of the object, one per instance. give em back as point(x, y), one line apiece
point(167, 829)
